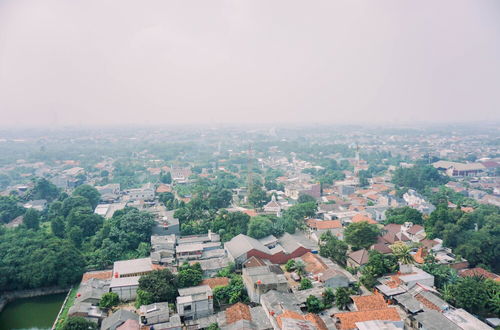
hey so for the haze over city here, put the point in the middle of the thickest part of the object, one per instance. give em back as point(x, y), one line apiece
point(209, 62)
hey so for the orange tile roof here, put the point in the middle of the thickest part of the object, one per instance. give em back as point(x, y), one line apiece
point(467, 209)
point(163, 188)
point(251, 213)
point(420, 255)
point(366, 303)
point(215, 281)
point(324, 224)
point(361, 217)
point(313, 318)
point(316, 320)
point(287, 314)
point(478, 271)
point(313, 263)
point(157, 267)
point(101, 275)
point(348, 320)
point(237, 312)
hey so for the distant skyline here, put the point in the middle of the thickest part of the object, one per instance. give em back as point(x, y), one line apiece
point(107, 63)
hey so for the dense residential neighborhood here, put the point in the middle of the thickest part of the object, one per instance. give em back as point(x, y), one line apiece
point(360, 230)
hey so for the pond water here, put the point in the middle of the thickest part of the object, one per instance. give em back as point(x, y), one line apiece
point(31, 313)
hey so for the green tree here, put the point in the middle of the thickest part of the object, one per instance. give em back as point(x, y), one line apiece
point(143, 298)
point(232, 293)
point(328, 297)
point(260, 227)
point(32, 219)
point(79, 323)
point(160, 284)
point(333, 248)
point(290, 265)
point(443, 274)
point(418, 177)
point(361, 235)
point(378, 265)
point(314, 305)
point(86, 219)
point(43, 189)
point(257, 196)
point(402, 252)
point(58, 227)
point(404, 214)
point(474, 294)
point(9, 208)
point(75, 234)
point(189, 275)
point(33, 259)
point(109, 299)
point(73, 202)
point(304, 198)
point(213, 326)
point(233, 224)
point(300, 267)
point(305, 284)
point(166, 178)
point(90, 193)
point(342, 298)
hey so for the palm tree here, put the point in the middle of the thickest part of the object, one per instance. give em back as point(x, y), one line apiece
point(300, 267)
point(402, 252)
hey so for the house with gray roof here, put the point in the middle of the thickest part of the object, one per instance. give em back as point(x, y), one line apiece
point(116, 319)
point(242, 247)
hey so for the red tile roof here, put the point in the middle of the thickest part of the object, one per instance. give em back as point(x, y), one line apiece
point(101, 275)
point(371, 302)
point(238, 312)
point(478, 271)
point(348, 320)
point(361, 217)
point(324, 224)
point(313, 263)
point(215, 282)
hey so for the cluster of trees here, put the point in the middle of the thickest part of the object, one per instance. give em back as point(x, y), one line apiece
point(474, 236)
point(157, 286)
point(125, 236)
point(333, 248)
point(74, 238)
point(378, 265)
point(475, 294)
point(162, 285)
point(400, 215)
point(418, 177)
point(340, 298)
point(232, 293)
point(10, 208)
point(33, 259)
point(361, 235)
point(208, 197)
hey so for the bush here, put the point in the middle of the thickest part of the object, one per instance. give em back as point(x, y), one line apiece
point(109, 300)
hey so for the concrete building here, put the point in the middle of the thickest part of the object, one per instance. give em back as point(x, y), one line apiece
point(261, 279)
point(332, 278)
point(242, 247)
point(126, 274)
point(195, 302)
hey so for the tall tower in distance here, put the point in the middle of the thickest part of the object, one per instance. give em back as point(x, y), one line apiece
point(249, 169)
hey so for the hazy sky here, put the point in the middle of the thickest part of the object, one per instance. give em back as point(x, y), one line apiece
point(209, 61)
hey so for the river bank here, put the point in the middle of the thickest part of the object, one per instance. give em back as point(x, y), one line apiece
point(10, 296)
point(36, 313)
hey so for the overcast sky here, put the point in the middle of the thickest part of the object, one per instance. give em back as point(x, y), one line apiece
point(103, 62)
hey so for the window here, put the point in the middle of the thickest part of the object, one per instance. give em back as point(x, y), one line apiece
point(187, 308)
